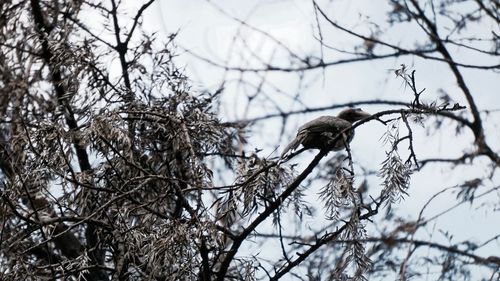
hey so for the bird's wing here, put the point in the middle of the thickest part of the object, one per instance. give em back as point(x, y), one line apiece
point(293, 144)
point(325, 124)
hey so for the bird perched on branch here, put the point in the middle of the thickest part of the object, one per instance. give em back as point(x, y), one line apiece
point(322, 132)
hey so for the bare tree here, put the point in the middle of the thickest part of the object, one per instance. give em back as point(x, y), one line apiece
point(114, 168)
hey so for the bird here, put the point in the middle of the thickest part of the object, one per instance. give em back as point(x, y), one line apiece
point(321, 133)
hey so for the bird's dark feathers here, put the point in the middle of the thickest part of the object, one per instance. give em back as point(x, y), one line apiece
point(322, 132)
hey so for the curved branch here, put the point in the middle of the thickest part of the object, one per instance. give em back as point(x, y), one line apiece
point(353, 104)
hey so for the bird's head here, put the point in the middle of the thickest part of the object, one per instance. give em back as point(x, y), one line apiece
point(353, 114)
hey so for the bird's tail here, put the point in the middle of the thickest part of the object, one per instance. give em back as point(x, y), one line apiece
point(292, 145)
